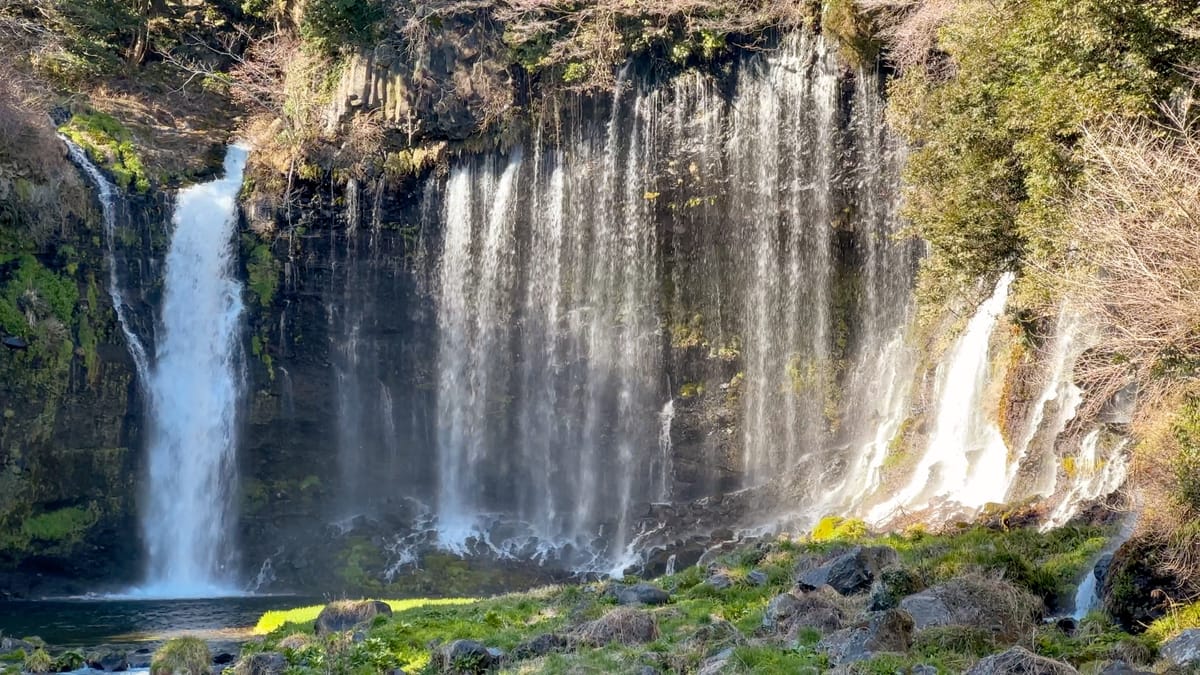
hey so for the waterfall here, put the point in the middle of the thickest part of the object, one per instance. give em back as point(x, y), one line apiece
point(680, 214)
point(1098, 469)
point(107, 194)
point(966, 452)
point(194, 393)
point(665, 418)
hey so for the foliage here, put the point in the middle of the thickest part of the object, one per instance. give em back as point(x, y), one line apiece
point(330, 24)
point(39, 661)
point(182, 656)
point(833, 528)
point(996, 122)
point(263, 271)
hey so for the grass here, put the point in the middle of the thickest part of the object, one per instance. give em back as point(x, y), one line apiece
point(1179, 619)
point(182, 656)
point(700, 619)
point(276, 619)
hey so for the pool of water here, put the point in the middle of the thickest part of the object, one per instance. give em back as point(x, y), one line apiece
point(223, 622)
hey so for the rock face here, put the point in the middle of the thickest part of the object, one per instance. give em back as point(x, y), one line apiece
point(444, 85)
point(851, 572)
point(890, 631)
point(1020, 661)
point(346, 614)
point(1183, 650)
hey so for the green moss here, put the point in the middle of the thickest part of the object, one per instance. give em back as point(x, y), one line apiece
point(263, 271)
point(64, 524)
point(109, 144)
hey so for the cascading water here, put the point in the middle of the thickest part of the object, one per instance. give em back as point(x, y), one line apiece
point(107, 194)
point(194, 388)
point(966, 452)
point(553, 317)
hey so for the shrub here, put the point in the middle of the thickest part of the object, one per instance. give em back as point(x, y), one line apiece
point(182, 656)
point(330, 24)
point(39, 662)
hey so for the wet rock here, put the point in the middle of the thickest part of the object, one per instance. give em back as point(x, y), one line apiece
point(1101, 568)
point(1020, 661)
point(541, 645)
point(715, 664)
point(623, 625)
point(1183, 650)
point(141, 658)
point(223, 658)
point(852, 572)
point(109, 660)
point(464, 656)
point(639, 594)
point(757, 578)
point(14, 342)
point(346, 614)
point(893, 584)
point(265, 663)
point(9, 645)
point(890, 631)
point(1067, 625)
point(1135, 586)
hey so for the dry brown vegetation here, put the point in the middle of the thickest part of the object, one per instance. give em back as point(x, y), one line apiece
point(909, 28)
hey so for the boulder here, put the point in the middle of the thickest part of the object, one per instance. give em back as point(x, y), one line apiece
point(1183, 650)
point(223, 658)
point(716, 633)
point(989, 604)
point(851, 572)
point(546, 643)
point(779, 610)
point(715, 664)
point(890, 631)
point(623, 625)
point(818, 610)
point(890, 586)
point(264, 663)
point(1020, 661)
point(465, 657)
point(9, 645)
point(346, 614)
point(719, 581)
point(639, 594)
point(14, 342)
point(757, 578)
point(109, 660)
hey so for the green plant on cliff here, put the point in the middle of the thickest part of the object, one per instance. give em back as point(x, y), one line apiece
point(110, 144)
point(263, 271)
point(330, 24)
point(997, 114)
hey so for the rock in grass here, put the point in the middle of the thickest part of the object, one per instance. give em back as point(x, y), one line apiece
point(816, 610)
point(1183, 650)
point(264, 663)
point(639, 594)
point(893, 584)
point(1121, 668)
point(757, 578)
point(623, 625)
point(994, 605)
point(1020, 661)
point(465, 657)
point(541, 645)
point(890, 631)
point(852, 572)
point(346, 614)
point(715, 664)
point(719, 581)
point(182, 656)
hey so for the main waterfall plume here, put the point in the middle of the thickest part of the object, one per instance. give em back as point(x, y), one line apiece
point(757, 224)
point(195, 387)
